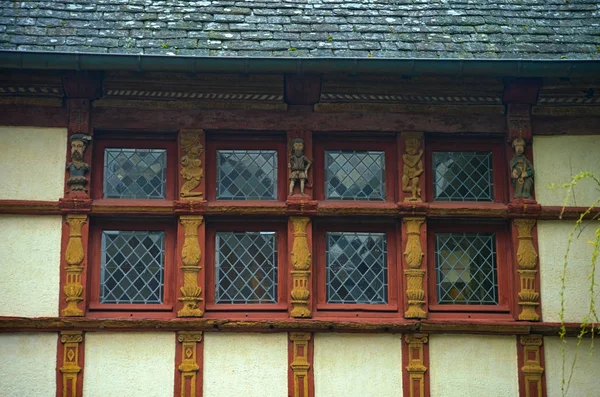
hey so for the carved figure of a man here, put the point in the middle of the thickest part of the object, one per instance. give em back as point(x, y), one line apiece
point(521, 170)
point(77, 167)
point(191, 165)
point(298, 165)
point(413, 168)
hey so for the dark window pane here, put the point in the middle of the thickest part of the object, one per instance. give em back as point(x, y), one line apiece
point(466, 268)
point(356, 267)
point(463, 176)
point(246, 267)
point(354, 175)
point(132, 267)
point(135, 173)
point(246, 174)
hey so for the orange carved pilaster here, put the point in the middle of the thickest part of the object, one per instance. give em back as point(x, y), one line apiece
point(301, 266)
point(531, 368)
point(300, 364)
point(74, 256)
point(415, 275)
point(415, 359)
point(189, 357)
point(191, 254)
point(70, 352)
point(527, 259)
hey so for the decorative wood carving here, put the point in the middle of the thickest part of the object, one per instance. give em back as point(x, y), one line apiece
point(301, 264)
point(416, 363)
point(189, 367)
point(413, 255)
point(74, 258)
point(190, 258)
point(298, 164)
point(300, 364)
point(78, 168)
point(527, 258)
point(532, 370)
point(191, 164)
point(70, 368)
point(518, 120)
point(412, 165)
point(521, 171)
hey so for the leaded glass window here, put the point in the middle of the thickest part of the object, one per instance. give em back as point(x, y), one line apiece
point(246, 174)
point(354, 175)
point(246, 267)
point(135, 173)
point(357, 267)
point(132, 266)
point(463, 176)
point(466, 268)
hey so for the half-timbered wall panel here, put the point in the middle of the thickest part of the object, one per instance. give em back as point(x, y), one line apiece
point(129, 364)
point(348, 365)
point(32, 161)
point(473, 365)
point(27, 364)
point(584, 380)
point(553, 238)
point(557, 159)
point(29, 265)
point(249, 365)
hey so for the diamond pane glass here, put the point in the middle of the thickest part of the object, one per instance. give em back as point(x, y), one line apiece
point(132, 266)
point(246, 174)
point(357, 268)
point(135, 173)
point(463, 176)
point(466, 268)
point(246, 264)
point(354, 175)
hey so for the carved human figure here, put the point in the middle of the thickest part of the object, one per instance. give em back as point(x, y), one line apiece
point(298, 165)
point(77, 167)
point(521, 171)
point(413, 168)
point(191, 165)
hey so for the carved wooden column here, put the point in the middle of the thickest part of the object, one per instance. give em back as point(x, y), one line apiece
point(70, 354)
point(191, 159)
point(414, 271)
point(412, 182)
point(531, 370)
point(301, 266)
point(189, 356)
point(301, 382)
point(191, 258)
point(527, 259)
point(74, 256)
point(415, 358)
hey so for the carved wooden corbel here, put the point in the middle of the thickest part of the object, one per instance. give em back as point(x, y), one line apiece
point(70, 369)
point(527, 259)
point(532, 370)
point(189, 367)
point(191, 172)
point(415, 275)
point(301, 264)
point(412, 166)
point(300, 363)
point(190, 258)
point(74, 257)
point(415, 357)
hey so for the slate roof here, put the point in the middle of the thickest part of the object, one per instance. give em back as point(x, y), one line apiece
point(490, 29)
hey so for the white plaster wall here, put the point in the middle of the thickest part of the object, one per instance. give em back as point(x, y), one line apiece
point(473, 365)
point(584, 382)
point(557, 158)
point(553, 237)
point(33, 163)
point(351, 365)
point(28, 364)
point(248, 365)
point(29, 265)
point(132, 364)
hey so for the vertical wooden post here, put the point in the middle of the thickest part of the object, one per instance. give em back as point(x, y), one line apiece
point(415, 238)
point(192, 263)
point(527, 261)
point(301, 260)
point(531, 366)
point(70, 364)
point(75, 258)
point(300, 379)
point(189, 358)
point(415, 359)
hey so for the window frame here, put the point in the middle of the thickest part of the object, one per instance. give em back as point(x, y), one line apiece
point(236, 141)
point(376, 142)
point(393, 265)
point(150, 141)
point(280, 227)
point(499, 167)
point(503, 267)
point(95, 252)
